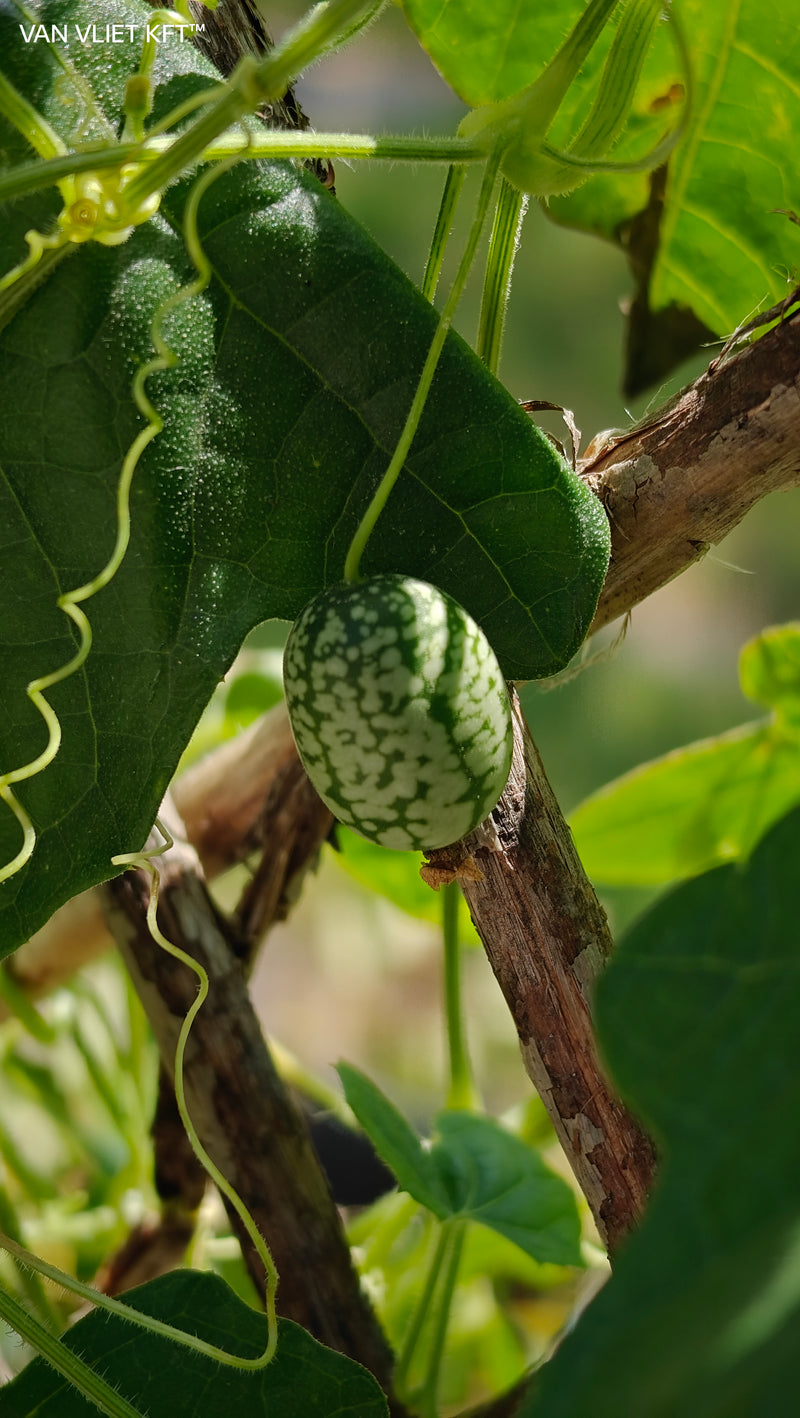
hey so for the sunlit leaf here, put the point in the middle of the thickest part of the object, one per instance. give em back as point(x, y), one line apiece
point(710, 248)
point(489, 52)
point(712, 801)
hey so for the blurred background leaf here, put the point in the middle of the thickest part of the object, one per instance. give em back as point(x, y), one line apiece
point(705, 242)
point(709, 802)
point(697, 1016)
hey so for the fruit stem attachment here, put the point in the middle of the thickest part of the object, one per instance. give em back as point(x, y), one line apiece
point(380, 497)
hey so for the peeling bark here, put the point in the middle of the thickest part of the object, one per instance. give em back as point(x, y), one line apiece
point(676, 484)
point(547, 939)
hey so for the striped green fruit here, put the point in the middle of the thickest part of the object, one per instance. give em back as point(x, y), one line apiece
point(399, 711)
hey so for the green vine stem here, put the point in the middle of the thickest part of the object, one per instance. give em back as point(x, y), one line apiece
point(658, 154)
point(409, 1347)
point(433, 1308)
point(444, 221)
point(34, 176)
point(462, 1092)
point(503, 244)
point(253, 84)
point(23, 116)
point(456, 1233)
point(30, 1282)
point(382, 492)
point(74, 1370)
point(144, 860)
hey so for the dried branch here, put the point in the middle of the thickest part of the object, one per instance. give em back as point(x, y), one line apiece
point(241, 1109)
point(677, 483)
point(250, 795)
point(547, 939)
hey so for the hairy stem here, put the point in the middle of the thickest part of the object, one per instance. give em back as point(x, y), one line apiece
point(503, 243)
point(64, 1361)
point(441, 233)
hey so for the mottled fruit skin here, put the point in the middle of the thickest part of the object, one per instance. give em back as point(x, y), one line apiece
point(399, 711)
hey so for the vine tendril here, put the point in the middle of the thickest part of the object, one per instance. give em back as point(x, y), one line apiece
point(380, 497)
point(70, 601)
point(147, 862)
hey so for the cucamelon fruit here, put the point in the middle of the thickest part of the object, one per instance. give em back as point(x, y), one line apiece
point(399, 711)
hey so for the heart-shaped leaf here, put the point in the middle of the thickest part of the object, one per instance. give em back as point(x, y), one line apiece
point(473, 1169)
point(162, 1379)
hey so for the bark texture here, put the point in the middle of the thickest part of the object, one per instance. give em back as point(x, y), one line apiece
point(547, 938)
point(676, 484)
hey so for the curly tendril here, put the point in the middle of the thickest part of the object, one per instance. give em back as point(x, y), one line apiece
point(147, 861)
point(70, 601)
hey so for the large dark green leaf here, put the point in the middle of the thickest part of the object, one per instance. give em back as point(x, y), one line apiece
point(697, 1016)
point(294, 376)
point(165, 1380)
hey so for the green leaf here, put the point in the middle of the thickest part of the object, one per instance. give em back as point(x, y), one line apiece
point(295, 372)
point(689, 811)
point(474, 1170)
point(712, 801)
point(493, 1177)
point(250, 695)
point(697, 1016)
point(163, 1379)
point(710, 249)
point(310, 354)
point(394, 1140)
point(489, 52)
point(769, 671)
